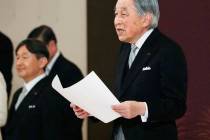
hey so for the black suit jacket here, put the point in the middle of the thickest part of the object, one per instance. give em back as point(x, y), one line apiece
point(158, 76)
point(42, 115)
point(68, 72)
point(6, 60)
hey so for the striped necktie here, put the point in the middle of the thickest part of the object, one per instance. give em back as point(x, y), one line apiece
point(132, 55)
point(21, 97)
point(47, 71)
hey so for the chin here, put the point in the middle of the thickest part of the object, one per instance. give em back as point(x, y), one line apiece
point(121, 38)
point(21, 75)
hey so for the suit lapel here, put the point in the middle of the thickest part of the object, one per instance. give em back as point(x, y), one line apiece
point(33, 93)
point(15, 98)
point(26, 101)
point(12, 113)
point(144, 55)
point(22, 109)
point(56, 66)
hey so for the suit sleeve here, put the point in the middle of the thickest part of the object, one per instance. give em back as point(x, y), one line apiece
point(173, 84)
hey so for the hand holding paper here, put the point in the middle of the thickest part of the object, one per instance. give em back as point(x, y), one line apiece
point(79, 112)
point(92, 95)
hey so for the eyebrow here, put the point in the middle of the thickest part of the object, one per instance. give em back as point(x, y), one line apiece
point(23, 54)
point(122, 9)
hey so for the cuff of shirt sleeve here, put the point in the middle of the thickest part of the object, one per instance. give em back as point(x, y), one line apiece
point(145, 116)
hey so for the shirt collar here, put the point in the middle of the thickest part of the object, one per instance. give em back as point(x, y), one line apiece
point(52, 62)
point(143, 38)
point(33, 82)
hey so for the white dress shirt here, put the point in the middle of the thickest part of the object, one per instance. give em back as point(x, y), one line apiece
point(141, 40)
point(51, 63)
point(33, 82)
point(3, 103)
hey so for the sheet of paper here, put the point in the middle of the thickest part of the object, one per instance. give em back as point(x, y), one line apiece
point(92, 95)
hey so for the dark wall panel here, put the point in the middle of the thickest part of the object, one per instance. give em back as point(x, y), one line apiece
point(103, 46)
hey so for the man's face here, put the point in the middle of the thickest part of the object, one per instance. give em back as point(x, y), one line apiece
point(128, 24)
point(27, 65)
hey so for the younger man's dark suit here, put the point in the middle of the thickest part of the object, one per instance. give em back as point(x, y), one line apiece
point(68, 72)
point(158, 76)
point(41, 116)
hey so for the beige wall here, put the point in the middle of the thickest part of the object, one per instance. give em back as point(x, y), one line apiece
point(66, 17)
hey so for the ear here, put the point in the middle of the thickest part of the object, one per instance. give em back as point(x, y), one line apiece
point(43, 62)
point(147, 19)
point(52, 48)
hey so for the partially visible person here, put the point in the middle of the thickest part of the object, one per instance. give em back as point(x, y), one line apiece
point(6, 60)
point(36, 111)
point(3, 103)
point(151, 79)
point(68, 72)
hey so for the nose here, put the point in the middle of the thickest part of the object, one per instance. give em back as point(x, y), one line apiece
point(18, 62)
point(117, 20)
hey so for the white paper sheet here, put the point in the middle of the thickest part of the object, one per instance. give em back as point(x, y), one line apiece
point(90, 94)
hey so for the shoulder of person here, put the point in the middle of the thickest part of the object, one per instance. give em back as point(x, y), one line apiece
point(2, 80)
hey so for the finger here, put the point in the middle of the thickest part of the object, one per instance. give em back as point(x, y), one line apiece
point(72, 105)
point(118, 107)
point(124, 115)
point(121, 112)
point(78, 110)
point(82, 115)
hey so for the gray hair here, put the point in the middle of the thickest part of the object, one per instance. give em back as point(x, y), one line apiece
point(150, 6)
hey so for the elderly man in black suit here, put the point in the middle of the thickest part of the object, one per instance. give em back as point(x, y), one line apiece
point(6, 60)
point(151, 79)
point(37, 111)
